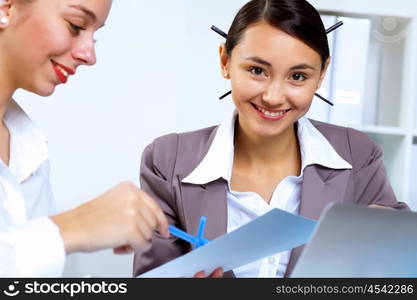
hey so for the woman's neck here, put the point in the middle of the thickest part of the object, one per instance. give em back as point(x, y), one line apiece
point(4, 104)
point(256, 150)
point(7, 87)
point(6, 94)
point(5, 97)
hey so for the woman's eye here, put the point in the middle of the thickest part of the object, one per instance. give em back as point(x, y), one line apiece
point(298, 77)
point(256, 71)
point(75, 28)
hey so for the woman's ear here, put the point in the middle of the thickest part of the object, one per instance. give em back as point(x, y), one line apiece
point(323, 73)
point(224, 61)
point(4, 13)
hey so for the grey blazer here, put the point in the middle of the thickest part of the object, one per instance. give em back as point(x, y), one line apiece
point(170, 158)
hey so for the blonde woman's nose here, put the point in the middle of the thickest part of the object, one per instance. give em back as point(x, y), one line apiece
point(85, 53)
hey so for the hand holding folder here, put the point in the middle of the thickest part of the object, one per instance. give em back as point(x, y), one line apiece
point(274, 232)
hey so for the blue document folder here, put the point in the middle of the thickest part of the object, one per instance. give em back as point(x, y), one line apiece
point(274, 232)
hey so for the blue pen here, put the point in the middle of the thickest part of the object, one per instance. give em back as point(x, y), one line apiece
point(200, 232)
point(182, 235)
point(196, 241)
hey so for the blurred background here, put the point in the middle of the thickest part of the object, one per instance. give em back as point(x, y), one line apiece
point(158, 72)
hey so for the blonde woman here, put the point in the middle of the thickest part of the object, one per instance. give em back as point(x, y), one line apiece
point(42, 43)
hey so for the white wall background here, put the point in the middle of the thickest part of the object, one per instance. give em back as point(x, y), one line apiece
point(157, 72)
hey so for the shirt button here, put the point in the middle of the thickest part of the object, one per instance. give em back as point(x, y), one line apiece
point(271, 260)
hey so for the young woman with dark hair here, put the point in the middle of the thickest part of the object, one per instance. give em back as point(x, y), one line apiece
point(267, 154)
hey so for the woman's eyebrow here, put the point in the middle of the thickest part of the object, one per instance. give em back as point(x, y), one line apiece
point(302, 66)
point(259, 61)
point(86, 11)
point(268, 64)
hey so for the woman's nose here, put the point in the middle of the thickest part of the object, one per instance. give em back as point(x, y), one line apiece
point(85, 52)
point(274, 94)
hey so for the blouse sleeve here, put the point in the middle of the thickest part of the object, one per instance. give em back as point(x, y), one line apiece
point(33, 249)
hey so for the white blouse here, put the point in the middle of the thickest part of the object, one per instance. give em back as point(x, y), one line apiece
point(243, 207)
point(30, 243)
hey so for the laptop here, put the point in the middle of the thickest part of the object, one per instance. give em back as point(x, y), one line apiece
point(357, 241)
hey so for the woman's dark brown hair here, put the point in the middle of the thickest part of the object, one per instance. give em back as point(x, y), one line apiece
point(297, 18)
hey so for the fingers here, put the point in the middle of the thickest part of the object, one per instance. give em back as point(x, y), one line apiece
point(217, 273)
point(200, 274)
point(380, 206)
point(123, 250)
point(123, 218)
point(160, 218)
point(140, 235)
point(147, 218)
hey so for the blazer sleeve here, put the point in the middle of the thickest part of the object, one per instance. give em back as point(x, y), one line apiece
point(370, 177)
point(156, 175)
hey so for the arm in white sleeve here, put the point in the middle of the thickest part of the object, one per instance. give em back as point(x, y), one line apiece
point(33, 249)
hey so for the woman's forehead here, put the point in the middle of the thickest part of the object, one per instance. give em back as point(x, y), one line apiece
point(271, 43)
point(99, 7)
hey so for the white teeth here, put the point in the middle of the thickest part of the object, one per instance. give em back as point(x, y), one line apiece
point(62, 71)
point(269, 113)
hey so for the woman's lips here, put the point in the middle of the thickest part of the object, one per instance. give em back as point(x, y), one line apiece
point(62, 71)
point(270, 114)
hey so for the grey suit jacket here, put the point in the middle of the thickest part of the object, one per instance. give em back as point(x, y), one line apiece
point(170, 158)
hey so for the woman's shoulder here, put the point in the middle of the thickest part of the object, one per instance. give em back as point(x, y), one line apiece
point(181, 150)
point(201, 137)
point(349, 142)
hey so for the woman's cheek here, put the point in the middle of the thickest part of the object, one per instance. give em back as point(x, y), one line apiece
point(246, 90)
point(301, 98)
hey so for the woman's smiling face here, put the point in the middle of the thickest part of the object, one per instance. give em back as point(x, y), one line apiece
point(274, 77)
point(47, 40)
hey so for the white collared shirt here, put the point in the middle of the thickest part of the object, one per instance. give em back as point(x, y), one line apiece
point(243, 207)
point(30, 243)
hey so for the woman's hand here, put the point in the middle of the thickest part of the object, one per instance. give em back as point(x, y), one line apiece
point(380, 206)
point(217, 273)
point(123, 218)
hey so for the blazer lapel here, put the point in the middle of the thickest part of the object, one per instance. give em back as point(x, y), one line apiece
point(209, 200)
point(321, 186)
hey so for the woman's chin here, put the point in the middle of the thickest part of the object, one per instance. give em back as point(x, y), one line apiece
point(43, 91)
point(267, 132)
